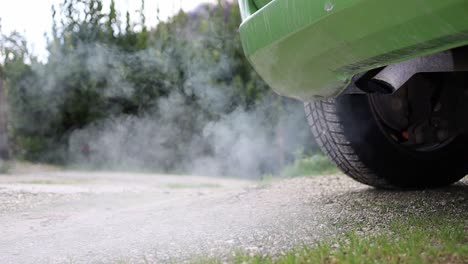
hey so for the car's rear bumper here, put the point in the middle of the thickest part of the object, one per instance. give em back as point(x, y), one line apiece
point(306, 49)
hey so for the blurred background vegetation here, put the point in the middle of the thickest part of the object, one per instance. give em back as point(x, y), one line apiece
point(167, 98)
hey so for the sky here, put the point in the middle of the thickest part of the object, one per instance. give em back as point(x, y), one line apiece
point(32, 18)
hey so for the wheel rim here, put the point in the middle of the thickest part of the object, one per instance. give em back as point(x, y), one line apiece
point(410, 122)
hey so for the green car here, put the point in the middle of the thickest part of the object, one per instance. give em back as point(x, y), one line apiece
point(384, 82)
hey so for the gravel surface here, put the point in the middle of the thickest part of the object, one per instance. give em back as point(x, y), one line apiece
point(82, 217)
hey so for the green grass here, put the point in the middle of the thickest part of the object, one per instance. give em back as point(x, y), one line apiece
point(315, 165)
point(415, 240)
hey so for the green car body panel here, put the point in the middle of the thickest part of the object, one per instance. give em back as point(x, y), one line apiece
point(309, 49)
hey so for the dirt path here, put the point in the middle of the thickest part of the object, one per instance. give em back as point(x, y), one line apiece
point(75, 217)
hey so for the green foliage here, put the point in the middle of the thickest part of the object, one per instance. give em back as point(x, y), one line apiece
point(317, 164)
point(100, 70)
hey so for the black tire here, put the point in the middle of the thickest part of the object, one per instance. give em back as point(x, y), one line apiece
point(347, 131)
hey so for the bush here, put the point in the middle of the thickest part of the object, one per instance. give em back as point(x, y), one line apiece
point(180, 97)
point(317, 164)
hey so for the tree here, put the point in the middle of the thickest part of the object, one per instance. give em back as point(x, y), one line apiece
point(180, 78)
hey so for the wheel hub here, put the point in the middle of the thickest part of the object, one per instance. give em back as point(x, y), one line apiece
point(427, 113)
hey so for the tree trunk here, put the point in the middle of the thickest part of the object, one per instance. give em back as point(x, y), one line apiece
point(4, 148)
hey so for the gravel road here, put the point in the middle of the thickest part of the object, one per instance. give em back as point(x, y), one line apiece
point(83, 217)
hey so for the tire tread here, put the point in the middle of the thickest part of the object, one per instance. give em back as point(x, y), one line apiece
point(329, 133)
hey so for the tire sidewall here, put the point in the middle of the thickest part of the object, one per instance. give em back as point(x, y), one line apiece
point(398, 166)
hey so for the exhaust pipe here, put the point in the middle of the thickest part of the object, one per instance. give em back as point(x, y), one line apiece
point(394, 76)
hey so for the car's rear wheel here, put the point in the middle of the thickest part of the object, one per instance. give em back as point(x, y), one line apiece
point(416, 138)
